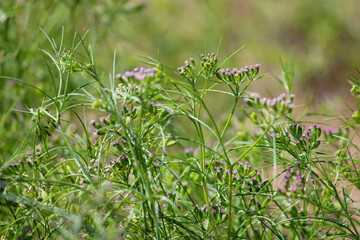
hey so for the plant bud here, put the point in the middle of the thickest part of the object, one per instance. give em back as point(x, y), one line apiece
point(44, 195)
point(96, 104)
point(170, 142)
point(107, 122)
point(253, 117)
point(89, 66)
point(316, 144)
point(356, 116)
point(101, 132)
point(103, 106)
point(96, 125)
point(355, 90)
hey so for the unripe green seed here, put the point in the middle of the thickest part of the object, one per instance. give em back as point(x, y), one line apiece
point(356, 116)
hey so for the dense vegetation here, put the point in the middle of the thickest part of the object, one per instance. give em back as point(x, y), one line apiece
point(161, 151)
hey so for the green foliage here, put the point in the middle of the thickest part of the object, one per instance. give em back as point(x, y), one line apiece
point(145, 153)
point(134, 173)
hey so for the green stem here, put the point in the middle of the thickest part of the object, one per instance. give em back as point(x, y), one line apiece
point(202, 150)
point(254, 144)
point(228, 121)
point(202, 156)
point(77, 160)
point(230, 203)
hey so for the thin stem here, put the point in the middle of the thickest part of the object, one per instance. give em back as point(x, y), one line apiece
point(202, 155)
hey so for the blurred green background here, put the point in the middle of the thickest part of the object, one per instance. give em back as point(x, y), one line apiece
point(320, 37)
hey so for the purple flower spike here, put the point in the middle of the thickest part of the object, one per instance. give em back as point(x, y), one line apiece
point(283, 95)
point(140, 77)
point(286, 175)
point(268, 102)
point(273, 102)
point(128, 74)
